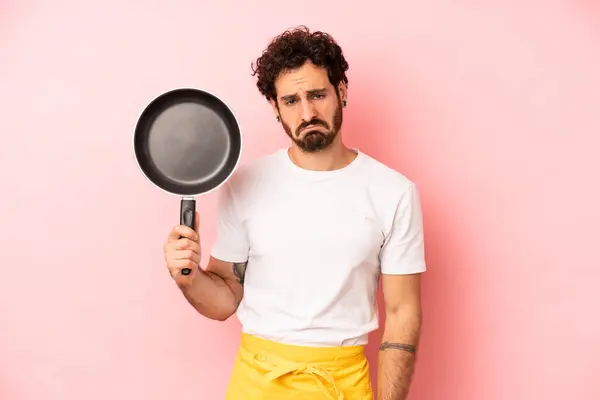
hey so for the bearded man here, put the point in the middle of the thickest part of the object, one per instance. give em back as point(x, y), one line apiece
point(304, 236)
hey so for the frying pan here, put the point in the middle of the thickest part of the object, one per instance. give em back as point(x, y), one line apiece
point(187, 142)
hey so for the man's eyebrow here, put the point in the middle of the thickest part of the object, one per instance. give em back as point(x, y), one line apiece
point(295, 95)
point(289, 96)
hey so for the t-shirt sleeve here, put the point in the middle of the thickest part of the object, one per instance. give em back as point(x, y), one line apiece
point(403, 248)
point(231, 242)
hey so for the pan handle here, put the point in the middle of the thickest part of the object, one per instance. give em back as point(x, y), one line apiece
point(187, 218)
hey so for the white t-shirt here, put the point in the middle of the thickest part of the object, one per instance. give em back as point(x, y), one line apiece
point(316, 243)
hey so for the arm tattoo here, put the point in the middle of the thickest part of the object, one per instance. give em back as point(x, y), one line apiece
point(398, 346)
point(239, 270)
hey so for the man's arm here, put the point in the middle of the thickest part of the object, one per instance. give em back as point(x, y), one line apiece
point(217, 291)
point(397, 352)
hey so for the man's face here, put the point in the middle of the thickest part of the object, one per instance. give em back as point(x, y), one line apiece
point(310, 109)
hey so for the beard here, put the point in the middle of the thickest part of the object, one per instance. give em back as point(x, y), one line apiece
point(319, 135)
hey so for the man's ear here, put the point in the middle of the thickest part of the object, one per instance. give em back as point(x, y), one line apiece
point(343, 91)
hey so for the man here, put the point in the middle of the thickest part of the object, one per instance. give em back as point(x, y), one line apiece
point(303, 238)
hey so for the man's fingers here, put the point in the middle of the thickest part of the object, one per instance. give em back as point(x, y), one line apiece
point(186, 244)
point(197, 226)
point(184, 263)
point(182, 251)
point(183, 231)
point(186, 255)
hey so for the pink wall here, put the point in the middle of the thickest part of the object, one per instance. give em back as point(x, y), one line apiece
point(493, 108)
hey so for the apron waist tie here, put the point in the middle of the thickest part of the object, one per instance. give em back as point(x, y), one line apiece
point(286, 367)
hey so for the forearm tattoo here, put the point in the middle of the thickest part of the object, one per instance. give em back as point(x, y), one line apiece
point(239, 270)
point(397, 346)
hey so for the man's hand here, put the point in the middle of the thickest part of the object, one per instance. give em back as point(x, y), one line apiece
point(182, 250)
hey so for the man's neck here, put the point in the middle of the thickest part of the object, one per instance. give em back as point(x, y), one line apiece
point(335, 157)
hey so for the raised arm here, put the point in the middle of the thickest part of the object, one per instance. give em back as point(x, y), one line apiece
point(217, 291)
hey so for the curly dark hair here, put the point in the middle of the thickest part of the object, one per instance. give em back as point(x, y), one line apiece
point(291, 50)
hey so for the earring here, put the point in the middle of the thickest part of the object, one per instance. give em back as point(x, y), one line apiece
point(345, 103)
point(278, 118)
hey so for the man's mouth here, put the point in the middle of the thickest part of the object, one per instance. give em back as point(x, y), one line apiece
point(313, 127)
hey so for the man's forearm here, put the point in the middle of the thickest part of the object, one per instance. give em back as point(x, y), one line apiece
point(210, 295)
point(397, 355)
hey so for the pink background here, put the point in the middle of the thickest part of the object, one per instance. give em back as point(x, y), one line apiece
point(492, 107)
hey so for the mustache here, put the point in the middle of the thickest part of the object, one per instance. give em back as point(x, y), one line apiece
point(313, 122)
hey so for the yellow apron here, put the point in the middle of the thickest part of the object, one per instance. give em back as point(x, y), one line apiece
point(268, 370)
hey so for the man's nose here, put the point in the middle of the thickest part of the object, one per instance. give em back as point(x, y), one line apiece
point(308, 110)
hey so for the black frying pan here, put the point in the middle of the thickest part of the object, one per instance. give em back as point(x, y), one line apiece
point(187, 142)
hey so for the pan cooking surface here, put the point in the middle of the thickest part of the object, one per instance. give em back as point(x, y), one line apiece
point(187, 142)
